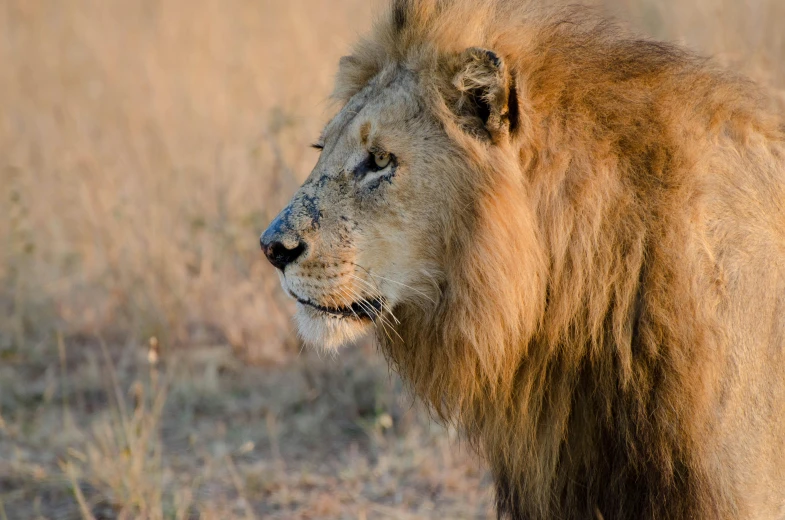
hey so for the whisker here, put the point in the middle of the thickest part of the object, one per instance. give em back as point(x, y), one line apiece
point(348, 306)
point(375, 276)
point(353, 296)
point(341, 295)
point(379, 295)
point(371, 312)
point(359, 300)
point(377, 314)
point(402, 284)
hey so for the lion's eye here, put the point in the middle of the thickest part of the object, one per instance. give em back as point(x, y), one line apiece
point(381, 160)
point(381, 164)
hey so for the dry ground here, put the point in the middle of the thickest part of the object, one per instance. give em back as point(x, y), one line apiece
point(144, 145)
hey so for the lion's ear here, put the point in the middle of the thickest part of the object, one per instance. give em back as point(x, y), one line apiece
point(487, 101)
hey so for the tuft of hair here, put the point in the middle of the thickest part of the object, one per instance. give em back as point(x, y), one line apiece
point(577, 341)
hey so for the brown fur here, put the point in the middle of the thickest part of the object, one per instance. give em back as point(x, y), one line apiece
point(608, 314)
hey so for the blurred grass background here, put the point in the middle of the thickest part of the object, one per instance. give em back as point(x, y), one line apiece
point(144, 145)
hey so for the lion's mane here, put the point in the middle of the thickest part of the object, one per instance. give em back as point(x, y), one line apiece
point(582, 336)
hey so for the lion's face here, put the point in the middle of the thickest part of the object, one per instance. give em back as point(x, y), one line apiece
point(372, 227)
point(362, 233)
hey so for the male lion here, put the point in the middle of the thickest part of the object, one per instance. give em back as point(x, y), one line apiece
point(569, 241)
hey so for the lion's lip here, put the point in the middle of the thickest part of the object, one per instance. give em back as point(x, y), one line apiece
point(361, 309)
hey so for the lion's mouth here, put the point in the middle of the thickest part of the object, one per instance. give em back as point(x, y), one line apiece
point(367, 309)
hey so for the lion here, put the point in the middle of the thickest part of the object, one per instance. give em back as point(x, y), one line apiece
point(570, 242)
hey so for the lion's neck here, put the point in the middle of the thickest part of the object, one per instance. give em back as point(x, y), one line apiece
point(561, 434)
point(564, 408)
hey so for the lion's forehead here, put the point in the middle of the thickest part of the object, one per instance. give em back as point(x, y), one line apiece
point(385, 103)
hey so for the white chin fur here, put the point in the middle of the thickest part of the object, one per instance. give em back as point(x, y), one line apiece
point(319, 330)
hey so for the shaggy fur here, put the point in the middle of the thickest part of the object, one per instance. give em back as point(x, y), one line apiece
point(581, 256)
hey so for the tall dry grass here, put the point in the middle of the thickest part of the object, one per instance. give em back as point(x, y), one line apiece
point(143, 146)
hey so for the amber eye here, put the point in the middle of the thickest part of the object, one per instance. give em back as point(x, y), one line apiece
point(381, 160)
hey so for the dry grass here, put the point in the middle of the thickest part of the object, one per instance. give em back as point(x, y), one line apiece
point(199, 434)
point(143, 147)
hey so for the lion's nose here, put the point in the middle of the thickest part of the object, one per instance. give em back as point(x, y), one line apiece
point(281, 256)
point(280, 248)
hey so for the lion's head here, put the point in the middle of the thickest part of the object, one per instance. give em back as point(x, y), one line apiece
point(384, 218)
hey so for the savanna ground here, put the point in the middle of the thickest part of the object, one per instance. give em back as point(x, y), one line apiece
point(148, 366)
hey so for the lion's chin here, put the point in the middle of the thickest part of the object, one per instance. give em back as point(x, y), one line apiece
point(319, 329)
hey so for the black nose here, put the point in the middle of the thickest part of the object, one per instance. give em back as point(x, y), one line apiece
point(279, 255)
point(275, 240)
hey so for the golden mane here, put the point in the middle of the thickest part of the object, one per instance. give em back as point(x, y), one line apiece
point(580, 334)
